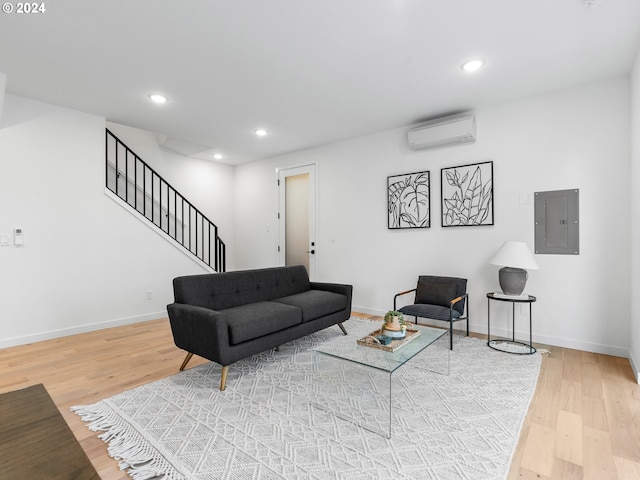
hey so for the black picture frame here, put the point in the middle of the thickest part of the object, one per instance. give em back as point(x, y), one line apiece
point(409, 200)
point(467, 195)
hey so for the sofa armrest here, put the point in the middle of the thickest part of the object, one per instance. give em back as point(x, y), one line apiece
point(199, 330)
point(342, 289)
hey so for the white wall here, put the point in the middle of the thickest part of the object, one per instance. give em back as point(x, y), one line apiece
point(86, 263)
point(578, 138)
point(634, 356)
point(3, 82)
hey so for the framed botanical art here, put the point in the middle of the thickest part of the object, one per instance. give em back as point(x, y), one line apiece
point(467, 195)
point(409, 201)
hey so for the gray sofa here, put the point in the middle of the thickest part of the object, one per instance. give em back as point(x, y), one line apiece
point(225, 317)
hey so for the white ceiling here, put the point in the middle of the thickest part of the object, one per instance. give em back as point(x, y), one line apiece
point(309, 71)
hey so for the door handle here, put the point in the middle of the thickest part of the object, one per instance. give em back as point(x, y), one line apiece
point(311, 252)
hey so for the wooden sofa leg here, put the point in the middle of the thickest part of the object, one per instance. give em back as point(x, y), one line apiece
point(342, 328)
point(186, 360)
point(223, 378)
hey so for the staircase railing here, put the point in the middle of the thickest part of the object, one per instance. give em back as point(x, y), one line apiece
point(140, 186)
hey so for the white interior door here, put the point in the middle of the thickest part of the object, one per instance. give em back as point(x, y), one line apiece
point(297, 195)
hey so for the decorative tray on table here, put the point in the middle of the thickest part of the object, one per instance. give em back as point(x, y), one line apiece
point(396, 343)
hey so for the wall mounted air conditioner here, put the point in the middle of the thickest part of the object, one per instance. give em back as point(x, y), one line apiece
point(443, 132)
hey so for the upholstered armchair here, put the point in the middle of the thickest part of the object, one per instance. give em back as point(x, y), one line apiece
point(438, 298)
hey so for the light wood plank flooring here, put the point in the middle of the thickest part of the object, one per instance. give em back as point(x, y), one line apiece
point(583, 422)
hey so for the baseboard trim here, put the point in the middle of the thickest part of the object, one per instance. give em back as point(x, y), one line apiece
point(367, 311)
point(584, 346)
point(635, 366)
point(547, 340)
point(90, 327)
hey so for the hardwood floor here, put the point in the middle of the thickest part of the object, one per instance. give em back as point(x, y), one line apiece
point(583, 422)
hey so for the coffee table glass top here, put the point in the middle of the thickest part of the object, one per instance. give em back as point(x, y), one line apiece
point(346, 348)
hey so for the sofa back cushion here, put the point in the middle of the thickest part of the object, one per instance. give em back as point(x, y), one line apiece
point(219, 291)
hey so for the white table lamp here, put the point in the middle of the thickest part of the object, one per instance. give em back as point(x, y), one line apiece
point(515, 259)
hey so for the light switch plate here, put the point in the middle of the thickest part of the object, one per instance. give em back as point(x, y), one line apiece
point(4, 240)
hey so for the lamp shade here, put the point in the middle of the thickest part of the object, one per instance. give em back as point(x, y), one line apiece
point(516, 255)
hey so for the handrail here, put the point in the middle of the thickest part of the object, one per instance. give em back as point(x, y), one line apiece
point(141, 187)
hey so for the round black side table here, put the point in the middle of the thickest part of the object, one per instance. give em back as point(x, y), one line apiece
point(505, 345)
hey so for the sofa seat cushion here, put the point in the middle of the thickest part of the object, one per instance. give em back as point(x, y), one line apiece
point(255, 320)
point(315, 303)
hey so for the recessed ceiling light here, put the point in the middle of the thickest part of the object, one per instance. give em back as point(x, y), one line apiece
point(261, 132)
point(473, 65)
point(158, 98)
point(218, 156)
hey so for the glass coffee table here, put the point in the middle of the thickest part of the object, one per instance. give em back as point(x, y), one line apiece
point(361, 384)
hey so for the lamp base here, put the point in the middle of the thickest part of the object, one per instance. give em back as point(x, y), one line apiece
point(512, 280)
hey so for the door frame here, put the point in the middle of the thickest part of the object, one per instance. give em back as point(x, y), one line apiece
point(282, 174)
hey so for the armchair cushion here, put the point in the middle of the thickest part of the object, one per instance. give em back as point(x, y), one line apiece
point(432, 293)
point(433, 290)
point(435, 312)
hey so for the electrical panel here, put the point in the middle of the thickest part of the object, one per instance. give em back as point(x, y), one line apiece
point(557, 223)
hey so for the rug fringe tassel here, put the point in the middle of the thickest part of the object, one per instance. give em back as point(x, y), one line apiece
point(134, 454)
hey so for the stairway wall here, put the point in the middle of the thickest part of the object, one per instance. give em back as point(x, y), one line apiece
point(86, 264)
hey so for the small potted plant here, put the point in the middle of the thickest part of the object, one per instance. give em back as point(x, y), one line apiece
point(394, 325)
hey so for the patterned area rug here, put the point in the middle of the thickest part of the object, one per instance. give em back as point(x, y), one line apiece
point(266, 425)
